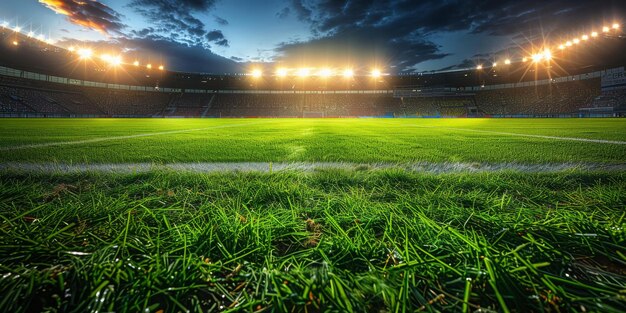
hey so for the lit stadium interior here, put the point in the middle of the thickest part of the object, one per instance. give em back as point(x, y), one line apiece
point(312, 156)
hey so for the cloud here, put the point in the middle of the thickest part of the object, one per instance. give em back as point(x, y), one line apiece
point(284, 13)
point(88, 13)
point(217, 37)
point(220, 21)
point(402, 31)
point(175, 19)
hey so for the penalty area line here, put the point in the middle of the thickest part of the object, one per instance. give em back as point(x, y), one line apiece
point(79, 142)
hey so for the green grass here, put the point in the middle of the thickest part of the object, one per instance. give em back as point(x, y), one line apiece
point(348, 140)
point(362, 240)
point(387, 241)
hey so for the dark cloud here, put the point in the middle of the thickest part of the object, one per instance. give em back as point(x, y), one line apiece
point(174, 19)
point(88, 13)
point(401, 31)
point(220, 21)
point(216, 37)
point(284, 13)
point(302, 11)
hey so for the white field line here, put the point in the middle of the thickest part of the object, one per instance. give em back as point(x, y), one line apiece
point(267, 167)
point(79, 142)
point(614, 142)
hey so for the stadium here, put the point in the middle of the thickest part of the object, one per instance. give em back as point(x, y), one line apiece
point(127, 185)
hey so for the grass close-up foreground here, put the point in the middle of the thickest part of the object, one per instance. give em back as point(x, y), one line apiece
point(363, 238)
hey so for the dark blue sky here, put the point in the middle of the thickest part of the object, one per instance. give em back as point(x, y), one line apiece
point(229, 35)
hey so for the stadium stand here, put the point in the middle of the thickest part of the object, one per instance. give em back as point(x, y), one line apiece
point(18, 95)
point(555, 98)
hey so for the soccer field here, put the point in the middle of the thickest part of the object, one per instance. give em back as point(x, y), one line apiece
point(294, 215)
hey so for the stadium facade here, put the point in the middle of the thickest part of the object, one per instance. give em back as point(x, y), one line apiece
point(38, 79)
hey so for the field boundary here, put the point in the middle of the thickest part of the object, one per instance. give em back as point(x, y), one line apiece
point(78, 142)
point(269, 167)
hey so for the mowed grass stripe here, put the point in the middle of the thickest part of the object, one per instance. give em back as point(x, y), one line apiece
point(312, 140)
point(94, 140)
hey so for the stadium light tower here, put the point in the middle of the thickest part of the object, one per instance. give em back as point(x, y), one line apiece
point(85, 53)
point(303, 72)
point(325, 73)
point(547, 55)
point(115, 61)
point(257, 73)
point(281, 72)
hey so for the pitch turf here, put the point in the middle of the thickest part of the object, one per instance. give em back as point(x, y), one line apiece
point(348, 140)
point(326, 240)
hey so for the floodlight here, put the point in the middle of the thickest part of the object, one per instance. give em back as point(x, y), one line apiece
point(507, 61)
point(281, 72)
point(561, 47)
point(71, 49)
point(576, 41)
point(149, 66)
point(5, 24)
point(161, 67)
point(585, 37)
point(347, 73)
point(105, 57)
point(494, 64)
point(40, 37)
point(537, 57)
point(17, 28)
point(30, 34)
point(303, 72)
point(15, 43)
point(136, 63)
point(605, 29)
point(325, 72)
point(615, 26)
point(256, 73)
point(568, 43)
point(594, 34)
point(84, 53)
point(479, 67)
point(49, 41)
point(376, 73)
point(115, 61)
point(547, 55)
point(524, 59)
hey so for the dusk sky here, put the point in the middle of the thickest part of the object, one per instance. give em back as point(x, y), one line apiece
point(220, 36)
